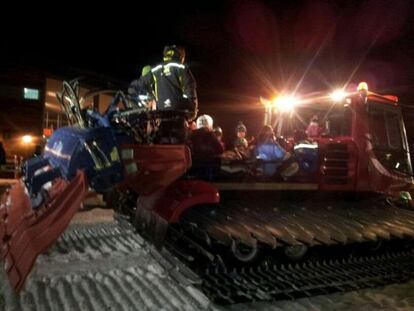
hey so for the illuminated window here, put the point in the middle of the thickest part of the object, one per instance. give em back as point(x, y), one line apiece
point(32, 94)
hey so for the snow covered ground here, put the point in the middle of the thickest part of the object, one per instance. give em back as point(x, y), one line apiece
point(96, 265)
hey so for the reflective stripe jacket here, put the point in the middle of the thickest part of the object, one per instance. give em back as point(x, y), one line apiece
point(172, 85)
point(306, 153)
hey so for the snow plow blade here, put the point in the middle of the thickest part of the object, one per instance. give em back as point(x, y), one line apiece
point(26, 232)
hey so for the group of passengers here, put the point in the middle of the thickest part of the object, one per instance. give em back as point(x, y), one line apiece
point(265, 156)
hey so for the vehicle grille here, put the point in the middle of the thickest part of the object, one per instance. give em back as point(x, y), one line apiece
point(335, 164)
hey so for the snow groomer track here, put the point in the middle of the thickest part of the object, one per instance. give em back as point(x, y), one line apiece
point(292, 281)
point(349, 249)
point(102, 267)
point(106, 267)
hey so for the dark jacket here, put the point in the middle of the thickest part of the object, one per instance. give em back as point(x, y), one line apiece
point(204, 145)
point(172, 85)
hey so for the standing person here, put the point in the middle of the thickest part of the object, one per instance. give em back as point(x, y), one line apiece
point(174, 88)
point(141, 95)
point(148, 97)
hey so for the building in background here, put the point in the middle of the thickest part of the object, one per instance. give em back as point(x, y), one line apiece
point(29, 110)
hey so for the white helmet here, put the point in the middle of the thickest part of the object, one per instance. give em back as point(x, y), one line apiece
point(205, 121)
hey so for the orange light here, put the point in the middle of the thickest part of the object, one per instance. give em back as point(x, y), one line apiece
point(27, 139)
point(47, 132)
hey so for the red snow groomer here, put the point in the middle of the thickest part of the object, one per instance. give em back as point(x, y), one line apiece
point(344, 167)
point(342, 173)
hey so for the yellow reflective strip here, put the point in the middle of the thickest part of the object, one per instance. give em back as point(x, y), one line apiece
point(155, 88)
point(180, 78)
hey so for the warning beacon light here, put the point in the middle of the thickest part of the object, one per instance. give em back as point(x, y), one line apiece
point(362, 87)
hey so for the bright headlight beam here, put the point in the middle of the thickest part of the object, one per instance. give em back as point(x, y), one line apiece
point(285, 103)
point(338, 95)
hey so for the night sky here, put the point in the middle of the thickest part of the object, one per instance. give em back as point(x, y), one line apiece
point(237, 50)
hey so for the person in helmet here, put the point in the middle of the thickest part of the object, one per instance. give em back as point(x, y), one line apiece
point(205, 149)
point(241, 132)
point(205, 122)
point(171, 82)
point(173, 87)
point(241, 144)
point(141, 96)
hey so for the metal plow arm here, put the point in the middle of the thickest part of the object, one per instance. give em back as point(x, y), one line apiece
point(26, 232)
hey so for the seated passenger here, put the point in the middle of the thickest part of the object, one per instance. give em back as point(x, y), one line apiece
point(314, 129)
point(205, 149)
point(306, 152)
point(269, 151)
point(241, 144)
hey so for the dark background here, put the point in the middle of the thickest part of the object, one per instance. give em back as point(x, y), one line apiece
point(237, 50)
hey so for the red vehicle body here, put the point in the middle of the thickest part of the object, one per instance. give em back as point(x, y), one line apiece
point(363, 150)
point(364, 160)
